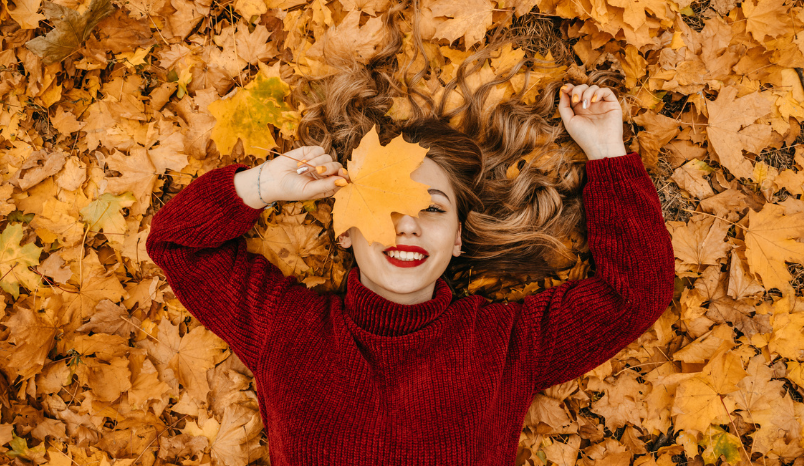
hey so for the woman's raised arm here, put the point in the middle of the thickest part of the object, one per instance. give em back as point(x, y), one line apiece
point(582, 323)
point(196, 239)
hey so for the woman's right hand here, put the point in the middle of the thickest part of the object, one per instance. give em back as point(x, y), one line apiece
point(284, 179)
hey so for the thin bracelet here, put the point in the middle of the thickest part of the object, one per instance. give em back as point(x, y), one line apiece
point(258, 188)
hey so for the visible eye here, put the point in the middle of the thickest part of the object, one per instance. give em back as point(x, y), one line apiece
point(433, 208)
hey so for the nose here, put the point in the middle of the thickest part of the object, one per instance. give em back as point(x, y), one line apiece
point(406, 225)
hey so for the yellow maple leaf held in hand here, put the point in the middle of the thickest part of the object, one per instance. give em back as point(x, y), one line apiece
point(381, 184)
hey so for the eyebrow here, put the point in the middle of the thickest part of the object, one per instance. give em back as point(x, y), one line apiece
point(438, 191)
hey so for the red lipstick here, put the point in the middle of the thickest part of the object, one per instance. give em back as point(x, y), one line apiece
point(406, 248)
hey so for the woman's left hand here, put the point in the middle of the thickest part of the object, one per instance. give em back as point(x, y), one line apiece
point(594, 119)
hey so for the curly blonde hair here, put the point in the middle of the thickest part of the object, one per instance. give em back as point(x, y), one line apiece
point(532, 224)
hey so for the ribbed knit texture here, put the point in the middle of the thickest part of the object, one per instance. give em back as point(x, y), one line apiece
point(359, 380)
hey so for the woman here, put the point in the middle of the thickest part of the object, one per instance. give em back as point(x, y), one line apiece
point(397, 371)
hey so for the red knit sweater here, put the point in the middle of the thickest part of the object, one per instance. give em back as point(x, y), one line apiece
point(359, 380)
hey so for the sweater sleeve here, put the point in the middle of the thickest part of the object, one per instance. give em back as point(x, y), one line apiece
point(196, 239)
point(581, 324)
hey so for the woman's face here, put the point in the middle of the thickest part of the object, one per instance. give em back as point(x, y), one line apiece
point(435, 234)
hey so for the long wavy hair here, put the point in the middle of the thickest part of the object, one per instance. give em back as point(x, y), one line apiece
point(529, 225)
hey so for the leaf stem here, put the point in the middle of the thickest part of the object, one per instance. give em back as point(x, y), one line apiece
point(284, 155)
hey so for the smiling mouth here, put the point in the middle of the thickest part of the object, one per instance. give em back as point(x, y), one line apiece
point(405, 255)
point(405, 259)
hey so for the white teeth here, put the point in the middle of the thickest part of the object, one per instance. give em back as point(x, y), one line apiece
point(405, 255)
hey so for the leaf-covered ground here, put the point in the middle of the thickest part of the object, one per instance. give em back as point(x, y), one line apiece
point(109, 109)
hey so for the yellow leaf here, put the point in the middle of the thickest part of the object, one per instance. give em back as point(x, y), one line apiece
point(132, 59)
point(247, 114)
point(381, 184)
point(468, 19)
point(15, 260)
point(103, 214)
point(726, 116)
point(190, 357)
point(787, 338)
point(698, 400)
point(249, 8)
point(25, 13)
point(766, 18)
point(717, 442)
point(770, 241)
point(701, 241)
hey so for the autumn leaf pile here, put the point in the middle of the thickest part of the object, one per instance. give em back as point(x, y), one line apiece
point(110, 108)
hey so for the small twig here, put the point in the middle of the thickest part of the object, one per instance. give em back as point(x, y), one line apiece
point(49, 283)
point(711, 215)
point(9, 271)
point(142, 329)
point(65, 455)
point(736, 432)
point(155, 438)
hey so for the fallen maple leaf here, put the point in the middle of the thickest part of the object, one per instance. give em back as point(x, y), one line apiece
point(103, 214)
point(468, 18)
point(189, 356)
point(15, 259)
point(717, 442)
point(70, 31)
point(726, 116)
point(698, 400)
point(770, 241)
point(238, 437)
point(349, 40)
point(766, 18)
point(25, 14)
point(381, 184)
point(247, 114)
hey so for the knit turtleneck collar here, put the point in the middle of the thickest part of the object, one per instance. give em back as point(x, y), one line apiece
point(377, 315)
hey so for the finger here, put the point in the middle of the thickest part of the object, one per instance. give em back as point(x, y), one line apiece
point(301, 153)
point(605, 94)
point(577, 92)
point(316, 161)
point(586, 97)
point(564, 108)
point(327, 168)
point(325, 187)
point(307, 152)
point(566, 88)
point(311, 166)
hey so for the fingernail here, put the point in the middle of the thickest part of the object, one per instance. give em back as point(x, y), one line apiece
point(594, 98)
point(302, 170)
point(585, 103)
point(301, 163)
point(340, 182)
point(575, 99)
point(320, 169)
point(563, 87)
point(345, 173)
